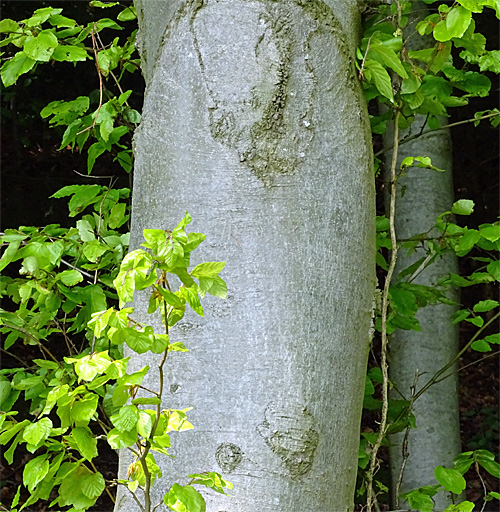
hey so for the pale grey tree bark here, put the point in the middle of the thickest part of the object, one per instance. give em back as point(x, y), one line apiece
point(422, 196)
point(254, 122)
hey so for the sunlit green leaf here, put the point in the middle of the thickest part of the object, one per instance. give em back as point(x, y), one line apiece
point(450, 479)
point(37, 432)
point(126, 419)
point(70, 277)
point(69, 53)
point(184, 499)
point(86, 442)
point(41, 47)
point(463, 207)
point(15, 67)
point(35, 471)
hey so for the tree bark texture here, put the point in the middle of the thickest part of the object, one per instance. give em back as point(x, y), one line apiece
point(254, 122)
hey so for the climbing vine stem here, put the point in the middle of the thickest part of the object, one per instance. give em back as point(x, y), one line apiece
point(385, 307)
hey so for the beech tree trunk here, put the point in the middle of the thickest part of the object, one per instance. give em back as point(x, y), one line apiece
point(436, 440)
point(254, 121)
point(422, 196)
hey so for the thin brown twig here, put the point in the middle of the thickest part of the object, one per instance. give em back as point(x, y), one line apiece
point(467, 365)
point(435, 378)
point(10, 354)
point(444, 127)
point(385, 309)
point(94, 47)
point(68, 341)
point(360, 74)
point(485, 490)
point(404, 446)
point(38, 342)
point(92, 176)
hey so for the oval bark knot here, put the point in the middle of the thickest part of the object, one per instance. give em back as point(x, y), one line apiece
point(290, 433)
point(228, 457)
point(262, 84)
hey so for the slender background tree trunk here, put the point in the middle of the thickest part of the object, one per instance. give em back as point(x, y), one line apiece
point(254, 121)
point(422, 196)
point(436, 440)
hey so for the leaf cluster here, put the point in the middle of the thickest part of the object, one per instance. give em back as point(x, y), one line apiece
point(90, 389)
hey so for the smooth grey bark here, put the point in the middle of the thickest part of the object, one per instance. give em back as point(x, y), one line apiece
point(254, 121)
point(422, 196)
point(436, 440)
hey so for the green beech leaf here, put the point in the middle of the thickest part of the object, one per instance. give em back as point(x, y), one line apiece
point(378, 75)
point(9, 26)
point(107, 23)
point(127, 14)
point(41, 15)
point(212, 480)
point(493, 338)
point(481, 346)
point(193, 299)
point(57, 20)
point(96, 150)
point(144, 424)
point(184, 499)
point(88, 367)
point(85, 441)
point(85, 230)
point(458, 20)
point(210, 269)
point(463, 207)
point(467, 241)
point(64, 113)
point(441, 32)
point(126, 419)
point(35, 471)
point(387, 57)
point(177, 420)
point(68, 53)
point(41, 47)
point(70, 277)
point(15, 67)
point(118, 440)
point(117, 216)
point(83, 410)
point(37, 432)
point(485, 305)
point(177, 346)
point(171, 298)
point(92, 485)
point(71, 492)
point(450, 479)
point(477, 321)
point(464, 506)
point(138, 341)
point(490, 232)
point(103, 5)
point(134, 271)
point(146, 401)
point(9, 254)
point(94, 249)
point(491, 466)
point(494, 269)
point(5, 390)
point(423, 162)
point(472, 5)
